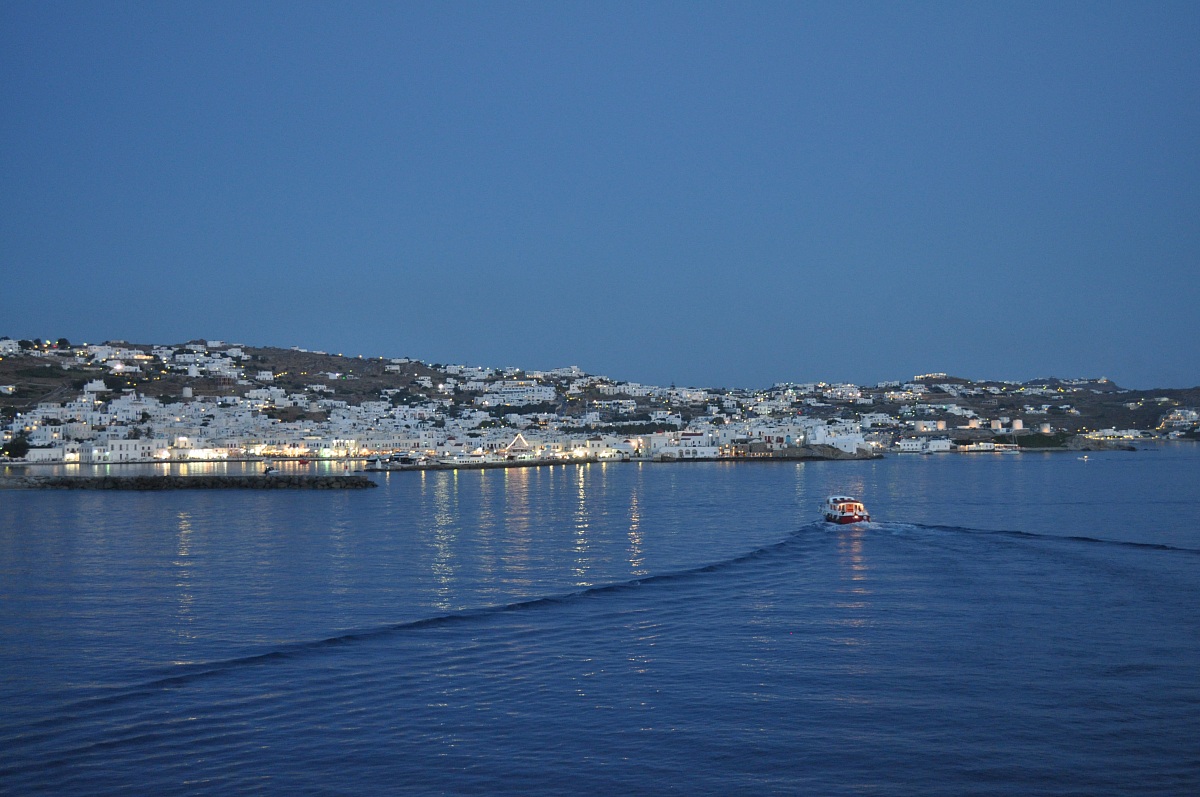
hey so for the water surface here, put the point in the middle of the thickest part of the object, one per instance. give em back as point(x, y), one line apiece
point(1011, 624)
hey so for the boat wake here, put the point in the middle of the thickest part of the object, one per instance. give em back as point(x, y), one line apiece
point(201, 670)
point(180, 675)
point(1078, 538)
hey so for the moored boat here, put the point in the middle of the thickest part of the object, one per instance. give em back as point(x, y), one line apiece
point(844, 509)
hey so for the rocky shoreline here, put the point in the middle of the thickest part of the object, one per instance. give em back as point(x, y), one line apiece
point(160, 482)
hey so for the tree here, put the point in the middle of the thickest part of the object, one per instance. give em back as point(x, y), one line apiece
point(63, 343)
point(18, 447)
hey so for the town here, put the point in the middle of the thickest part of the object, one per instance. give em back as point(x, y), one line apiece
point(208, 400)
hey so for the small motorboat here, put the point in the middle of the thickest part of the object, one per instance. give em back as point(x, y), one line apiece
point(844, 509)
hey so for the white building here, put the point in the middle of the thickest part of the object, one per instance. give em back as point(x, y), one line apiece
point(844, 436)
point(922, 445)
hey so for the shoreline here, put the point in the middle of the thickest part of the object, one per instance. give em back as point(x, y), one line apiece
point(21, 472)
point(356, 479)
point(360, 478)
point(157, 482)
point(804, 454)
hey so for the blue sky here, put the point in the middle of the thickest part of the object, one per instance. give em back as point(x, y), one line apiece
point(727, 194)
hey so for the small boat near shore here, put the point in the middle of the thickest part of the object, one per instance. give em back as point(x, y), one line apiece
point(843, 509)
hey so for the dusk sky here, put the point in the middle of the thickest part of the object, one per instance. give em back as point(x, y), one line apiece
point(708, 194)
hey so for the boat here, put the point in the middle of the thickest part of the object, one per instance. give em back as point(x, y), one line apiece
point(844, 509)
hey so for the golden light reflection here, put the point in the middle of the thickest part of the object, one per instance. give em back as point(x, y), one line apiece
point(486, 543)
point(852, 604)
point(637, 558)
point(518, 523)
point(443, 567)
point(801, 487)
point(850, 554)
point(516, 497)
point(582, 518)
point(183, 575)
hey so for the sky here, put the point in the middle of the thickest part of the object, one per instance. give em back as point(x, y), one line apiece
point(699, 193)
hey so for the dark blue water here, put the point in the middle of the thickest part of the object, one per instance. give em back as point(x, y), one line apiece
point(1011, 625)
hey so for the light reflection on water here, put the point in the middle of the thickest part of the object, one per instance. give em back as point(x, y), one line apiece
point(517, 519)
point(445, 529)
point(636, 554)
point(183, 574)
point(341, 534)
point(582, 516)
point(488, 523)
point(853, 606)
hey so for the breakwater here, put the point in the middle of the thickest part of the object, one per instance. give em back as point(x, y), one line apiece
point(274, 481)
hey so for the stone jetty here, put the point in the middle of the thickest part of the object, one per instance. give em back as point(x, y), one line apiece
point(274, 481)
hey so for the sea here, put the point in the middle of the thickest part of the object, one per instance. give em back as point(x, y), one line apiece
point(1007, 624)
